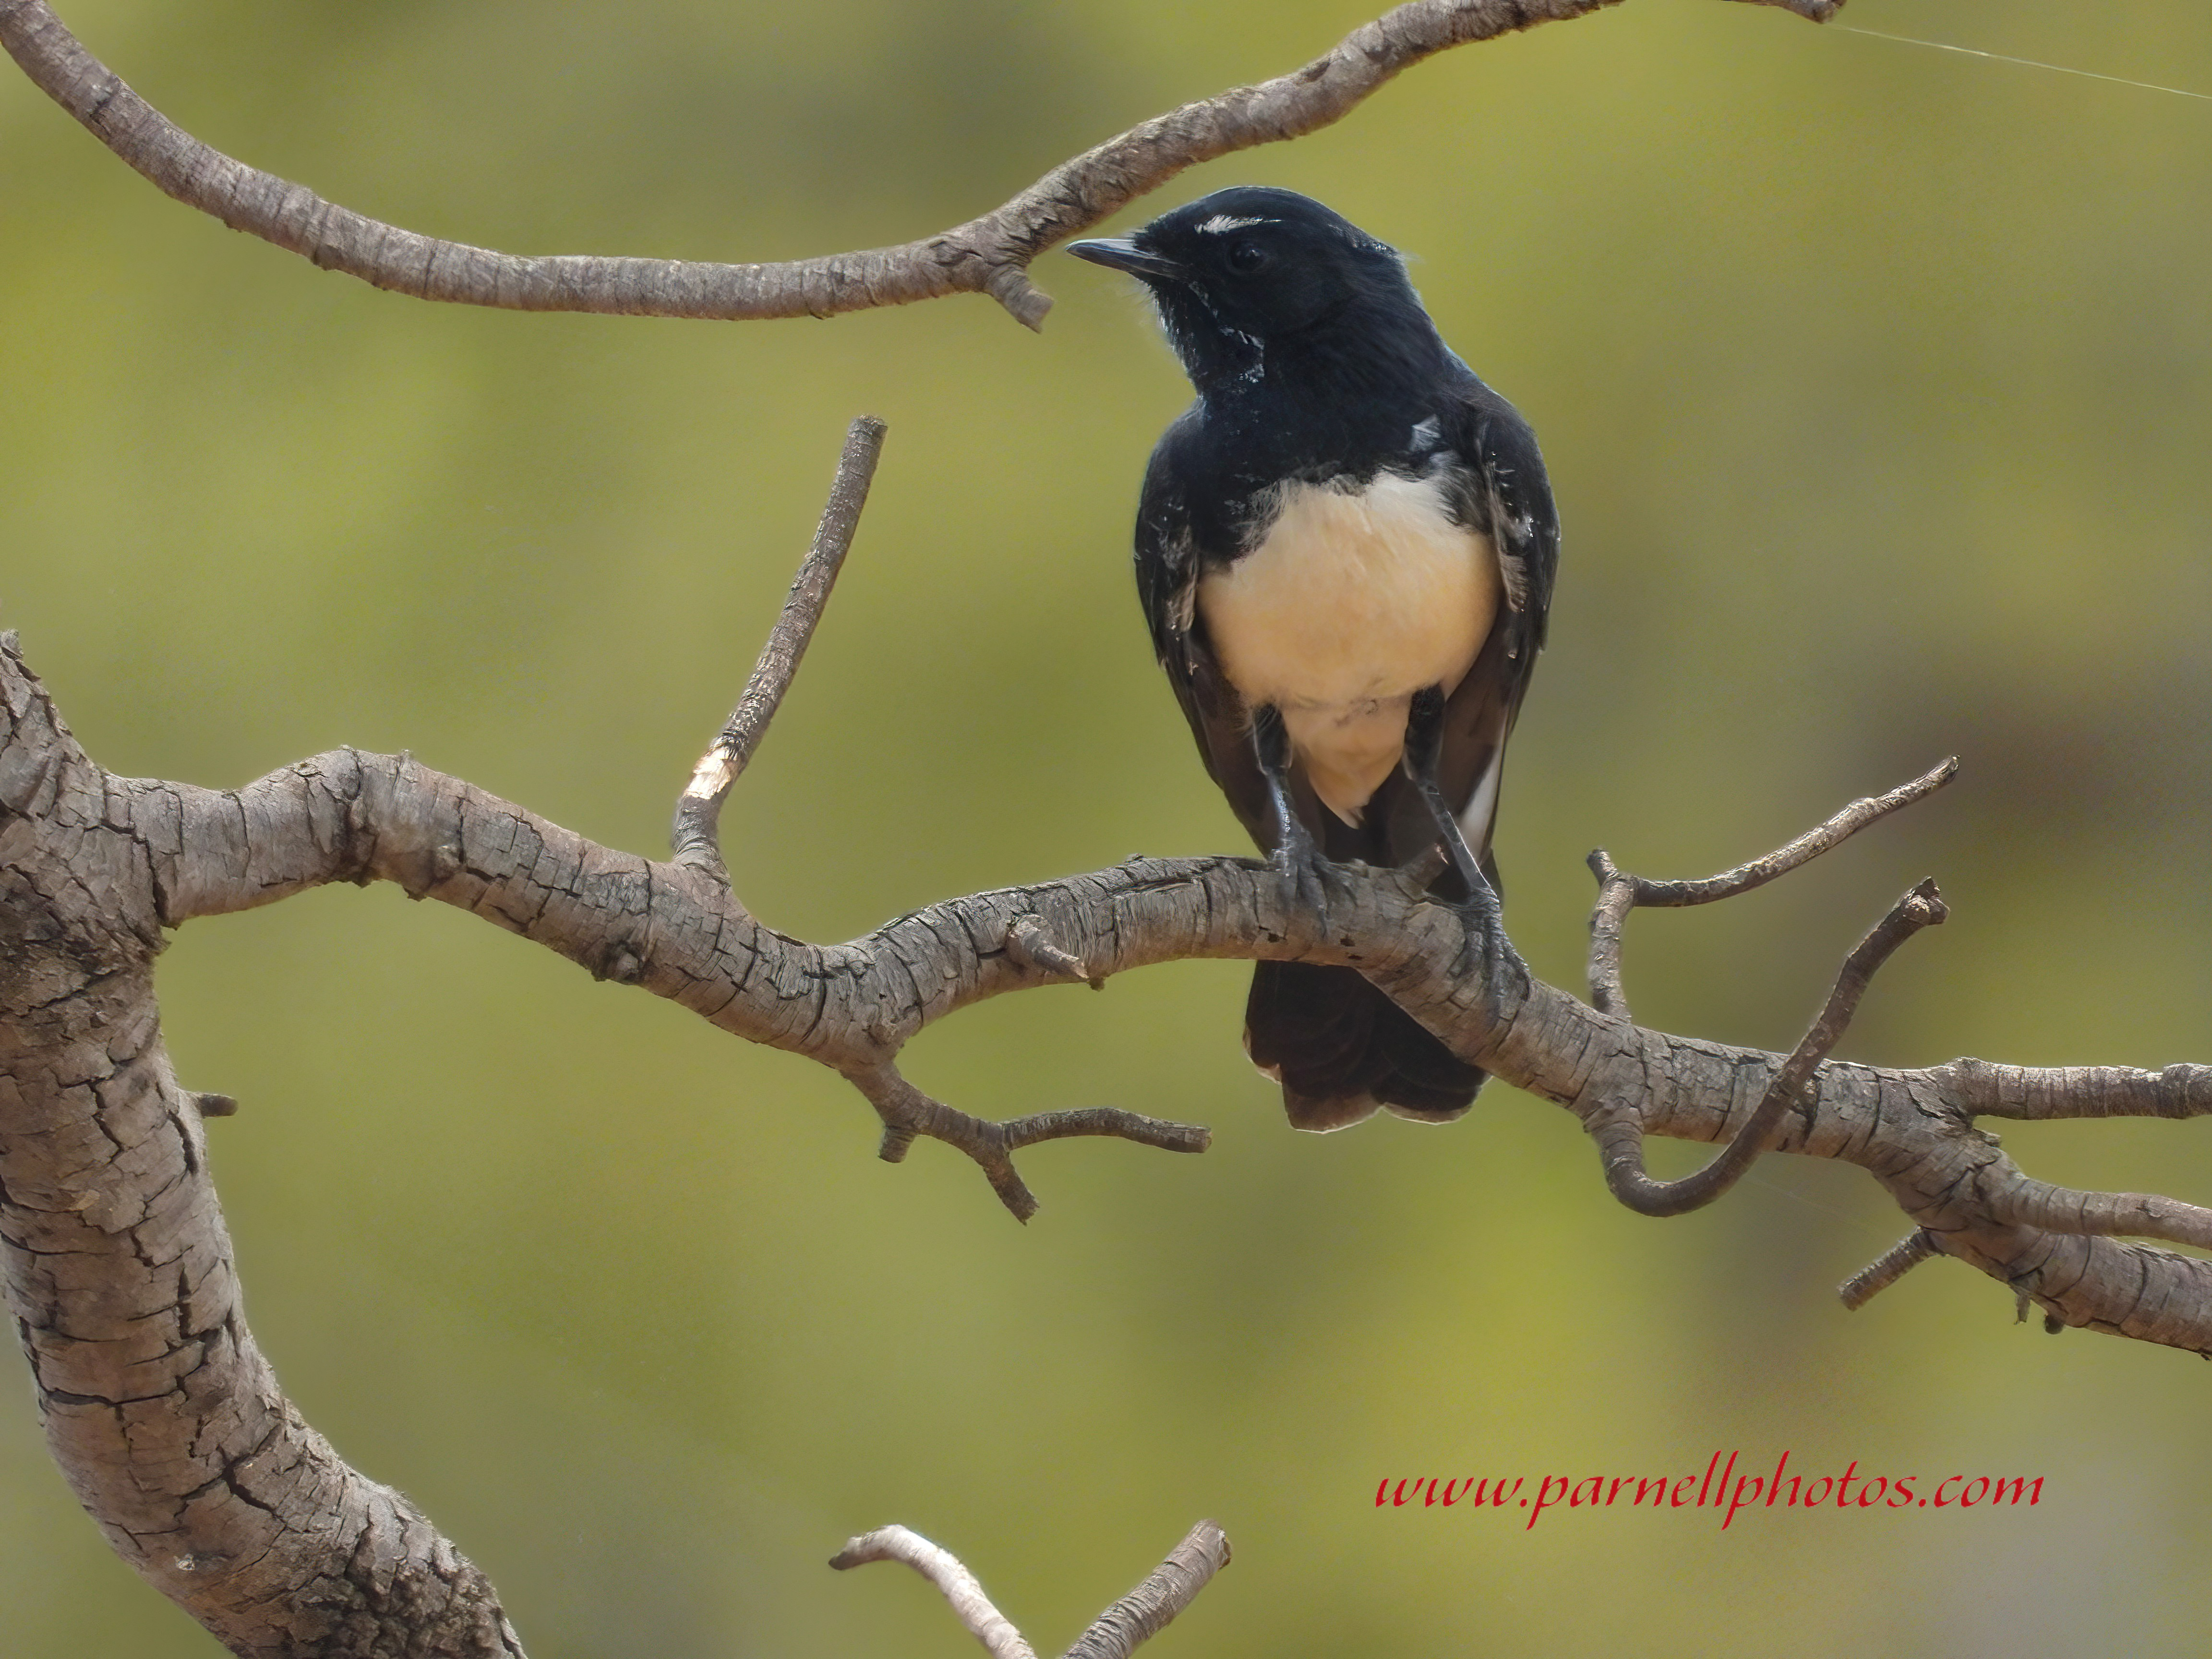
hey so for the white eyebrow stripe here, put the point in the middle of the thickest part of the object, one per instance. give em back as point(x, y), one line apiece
point(1221, 224)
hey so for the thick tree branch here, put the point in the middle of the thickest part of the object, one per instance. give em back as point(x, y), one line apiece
point(346, 816)
point(163, 1415)
point(987, 255)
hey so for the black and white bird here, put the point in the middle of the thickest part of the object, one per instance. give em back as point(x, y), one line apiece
point(1346, 550)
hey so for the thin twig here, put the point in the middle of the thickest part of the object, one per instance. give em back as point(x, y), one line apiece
point(1144, 1612)
point(1885, 1270)
point(1620, 1137)
point(943, 1569)
point(987, 255)
point(1619, 891)
point(696, 835)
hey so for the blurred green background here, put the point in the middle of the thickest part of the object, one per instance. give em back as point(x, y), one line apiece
point(1876, 385)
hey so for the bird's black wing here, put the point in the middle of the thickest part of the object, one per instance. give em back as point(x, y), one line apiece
point(1515, 505)
point(1498, 486)
point(1174, 544)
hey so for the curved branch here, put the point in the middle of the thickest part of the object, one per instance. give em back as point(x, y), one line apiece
point(987, 255)
point(1620, 1137)
point(954, 1581)
point(157, 1405)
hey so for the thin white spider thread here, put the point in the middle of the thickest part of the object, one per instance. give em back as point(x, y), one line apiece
point(2026, 63)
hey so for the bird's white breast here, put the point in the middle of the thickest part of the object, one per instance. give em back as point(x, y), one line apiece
point(1356, 600)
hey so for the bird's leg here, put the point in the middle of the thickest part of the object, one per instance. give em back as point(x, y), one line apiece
point(1307, 874)
point(1480, 912)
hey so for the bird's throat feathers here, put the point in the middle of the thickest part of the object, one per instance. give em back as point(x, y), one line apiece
point(1373, 348)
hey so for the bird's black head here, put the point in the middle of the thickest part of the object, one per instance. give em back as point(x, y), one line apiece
point(1244, 271)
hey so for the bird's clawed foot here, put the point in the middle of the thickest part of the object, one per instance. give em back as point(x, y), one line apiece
point(1483, 926)
point(1310, 882)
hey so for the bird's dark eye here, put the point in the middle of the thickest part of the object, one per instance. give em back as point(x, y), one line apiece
point(1245, 257)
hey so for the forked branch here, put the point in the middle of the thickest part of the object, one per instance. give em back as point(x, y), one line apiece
point(1619, 892)
point(1115, 1634)
point(906, 1111)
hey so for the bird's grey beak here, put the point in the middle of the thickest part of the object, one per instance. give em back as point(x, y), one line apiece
point(1120, 253)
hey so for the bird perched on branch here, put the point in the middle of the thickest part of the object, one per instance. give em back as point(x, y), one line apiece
point(1346, 550)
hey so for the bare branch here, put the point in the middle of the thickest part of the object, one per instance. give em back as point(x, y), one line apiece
point(1144, 1612)
point(943, 1569)
point(1619, 892)
point(166, 1420)
point(1885, 1270)
point(907, 1112)
point(350, 817)
point(987, 255)
point(696, 835)
point(1620, 1137)
point(1115, 1634)
point(2030, 1093)
point(2134, 1215)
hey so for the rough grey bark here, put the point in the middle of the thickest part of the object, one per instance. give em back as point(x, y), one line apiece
point(164, 1417)
point(987, 255)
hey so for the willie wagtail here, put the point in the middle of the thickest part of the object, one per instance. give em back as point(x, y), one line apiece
point(1345, 551)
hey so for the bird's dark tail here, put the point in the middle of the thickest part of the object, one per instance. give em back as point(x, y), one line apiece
point(1340, 1049)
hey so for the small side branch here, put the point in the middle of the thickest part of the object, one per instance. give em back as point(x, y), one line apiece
point(907, 1112)
point(1029, 943)
point(1115, 1634)
point(1619, 891)
point(1620, 1136)
point(1885, 1270)
point(696, 835)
